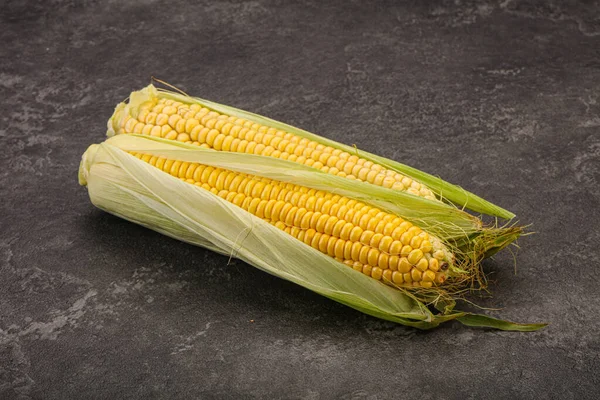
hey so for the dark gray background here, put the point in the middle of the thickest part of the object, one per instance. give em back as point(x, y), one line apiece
point(502, 98)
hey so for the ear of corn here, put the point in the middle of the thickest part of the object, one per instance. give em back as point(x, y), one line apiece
point(204, 123)
point(139, 190)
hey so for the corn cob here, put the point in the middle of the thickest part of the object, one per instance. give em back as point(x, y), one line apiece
point(195, 124)
point(352, 247)
point(378, 244)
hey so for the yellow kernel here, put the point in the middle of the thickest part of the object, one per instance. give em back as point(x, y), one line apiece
point(150, 118)
point(155, 131)
point(362, 174)
point(202, 134)
point(259, 148)
point(183, 137)
point(253, 206)
point(171, 135)
point(422, 264)
point(332, 160)
point(415, 256)
point(250, 147)
point(398, 186)
point(146, 129)
point(235, 130)
point(211, 136)
point(397, 233)
point(387, 275)
point(219, 124)
point(379, 179)
point(173, 119)
point(415, 230)
point(355, 251)
point(385, 243)
point(376, 273)
point(218, 142)
point(388, 228)
point(371, 175)
point(169, 110)
point(287, 207)
point(138, 127)
point(212, 178)
point(314, 220)
point(346, 231)
point(397, 278)
point(405, 251)
point(180, 126)
point(395, 247)
point(366, 236)
point(415, 274)
point(175, 168)
point(260, 212)
point(405, 226)
point(383, 261)
point(415, 242)
point(208, 121)
point(226, 145)
point(375, 240)
point(305, 222)
point(367, 269)
point(406, 237)
point(393, 262)
point(388, 182)
point(363, 255)
point(364, 220)
point(166, 129)
point(429, 276)
point(191, 124)
point(434, 264)
point(183, 169)
point(159, 107)
point(289, 216)
point(404, 265)
point(337, 228)
point(322, 222)
point(331, 246)
point(339, 248)
point(426, 284)
point(426, 246)
point(373, 256)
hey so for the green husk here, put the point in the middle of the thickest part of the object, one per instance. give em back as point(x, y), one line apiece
point(125, 186)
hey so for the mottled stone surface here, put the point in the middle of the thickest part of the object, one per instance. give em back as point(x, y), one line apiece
point(500, 97)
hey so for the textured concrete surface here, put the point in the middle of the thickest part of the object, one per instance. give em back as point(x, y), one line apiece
point(500, 97)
